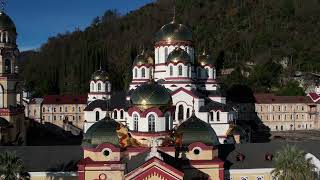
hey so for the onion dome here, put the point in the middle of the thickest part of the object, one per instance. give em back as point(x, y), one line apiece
point(142, 59)
point(174, 32)
point(100, 75)
point(151, 94)
point(205, 59)
point(195, 130)
point(6, 22)
point(103, 131)
point(179, 55)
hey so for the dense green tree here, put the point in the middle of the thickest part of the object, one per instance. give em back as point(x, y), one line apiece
point(11, 167)
point(234, 32)
point(291, 88)
point(291, 164)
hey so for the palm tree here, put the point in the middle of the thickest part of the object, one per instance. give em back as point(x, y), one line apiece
point(291, 164)
point(11, 167)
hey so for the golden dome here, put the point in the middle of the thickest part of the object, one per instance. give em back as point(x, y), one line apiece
point(100, 75)
point(151, 94)
point(205, 59)
point(174, 31)
point(142, 59)
point(179, 55)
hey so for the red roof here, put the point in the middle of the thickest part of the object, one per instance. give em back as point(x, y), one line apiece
point(273, 99)
point(314, 96)
point(64, 99)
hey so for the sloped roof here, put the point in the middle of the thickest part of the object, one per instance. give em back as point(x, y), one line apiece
point(117, 101)
point(36, 101)
point(65, 99)
point(213, 105)
point(273, 99)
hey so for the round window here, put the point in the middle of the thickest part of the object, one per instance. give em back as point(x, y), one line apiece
point(106, 153)
point(196, 151)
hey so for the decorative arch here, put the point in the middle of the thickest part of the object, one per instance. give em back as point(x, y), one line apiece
point(151, 123)
point(121, 114)
point(180, 112)
point(115, 114)
point(135, 72)
point(135, 122)
point(97, 115)
point(180, 70)
point(143, 72)
point(99, 86)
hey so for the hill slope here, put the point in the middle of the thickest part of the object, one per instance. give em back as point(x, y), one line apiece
point(234, 31)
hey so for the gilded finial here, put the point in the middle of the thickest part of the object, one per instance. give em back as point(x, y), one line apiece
point(174, 14)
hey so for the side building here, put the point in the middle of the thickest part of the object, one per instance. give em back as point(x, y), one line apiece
point(64, 110)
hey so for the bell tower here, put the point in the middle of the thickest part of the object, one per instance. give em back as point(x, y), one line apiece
point(11, 111)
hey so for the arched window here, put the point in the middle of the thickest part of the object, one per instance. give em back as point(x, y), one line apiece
point(180, 70)
point(1, 97)
point(207, 72)
point(143, 72)
point(151, 123)
point(165, 53)
point(92, 86)
point(7, 64)
point(99, 86)
point(188, 112)
point(107, 87)
point(135, 122)
point(188, 71)
point(97, 116)
point(121, 114)
point(167, 122)
point(180, 113)
point(171, 70)
point(218, 115)
point(115, 114)
point(211, 116)
point(135, 72)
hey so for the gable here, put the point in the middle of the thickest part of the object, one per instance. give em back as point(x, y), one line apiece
point(155, 169)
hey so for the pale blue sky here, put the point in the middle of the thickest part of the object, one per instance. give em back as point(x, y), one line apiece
point(36, 20)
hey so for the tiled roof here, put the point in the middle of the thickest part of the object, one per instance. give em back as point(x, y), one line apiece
point(254, 153)
point(117, 101)
point(36, 101)
point(64, 99)
point(314, 97)
point(273, 99)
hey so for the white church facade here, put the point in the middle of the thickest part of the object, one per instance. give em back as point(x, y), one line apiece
point(165, 90)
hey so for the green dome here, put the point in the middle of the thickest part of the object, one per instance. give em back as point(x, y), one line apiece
point(103, 131)
point(142, 59)
point(178, 55)
point(174, 31)
point(100, 75)
point(195, 130)
point(205, 59)
point(151, 94)
point(6, 22)
point(4, 122)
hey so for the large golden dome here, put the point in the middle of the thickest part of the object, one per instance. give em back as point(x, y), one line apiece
point(178, 55)
point(100, 75)
point(151, 94)
point(142, 59)
point(174, 31)
point(205, 59)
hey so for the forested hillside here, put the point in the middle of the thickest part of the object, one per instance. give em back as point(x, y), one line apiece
point(234, 31)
